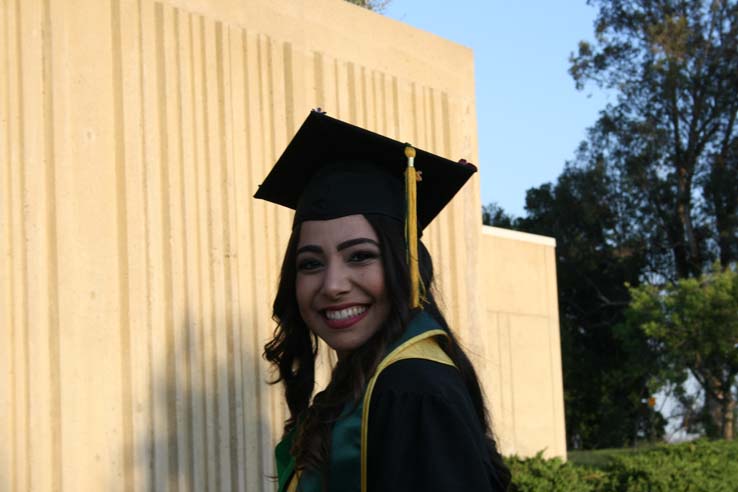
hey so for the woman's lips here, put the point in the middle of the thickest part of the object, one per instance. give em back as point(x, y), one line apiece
point(345, 322)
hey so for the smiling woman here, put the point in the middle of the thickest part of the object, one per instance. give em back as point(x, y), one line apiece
point(403, 409)
point(340, 281)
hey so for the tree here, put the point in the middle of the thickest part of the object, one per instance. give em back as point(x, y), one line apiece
point(671, 137)
point(694, 326)
point(670, 141)
point(375, 5)
point(494, 215)
point(651, 197)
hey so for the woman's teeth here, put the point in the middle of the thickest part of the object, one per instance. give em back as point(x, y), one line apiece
point(345, 313)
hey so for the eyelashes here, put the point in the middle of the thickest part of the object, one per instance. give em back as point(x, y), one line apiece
point(357, 257)
point(361, 256)
point(308, 264)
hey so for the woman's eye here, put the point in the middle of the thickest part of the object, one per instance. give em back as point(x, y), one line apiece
point(307, 265)
point(361, 256)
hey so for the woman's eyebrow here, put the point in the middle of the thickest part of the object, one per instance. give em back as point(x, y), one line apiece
point(354, 242)
point(309, 248)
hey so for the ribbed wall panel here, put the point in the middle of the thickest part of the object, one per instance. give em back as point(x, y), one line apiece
point(136, 271)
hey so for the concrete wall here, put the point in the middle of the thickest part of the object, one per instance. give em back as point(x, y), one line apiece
point(136, 272)
point(522, 366)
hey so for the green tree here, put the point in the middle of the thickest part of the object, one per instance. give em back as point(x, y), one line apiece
point(670, 140)
point(693, 324)
point(652, 196)
point(671, 137)
point(494, 215)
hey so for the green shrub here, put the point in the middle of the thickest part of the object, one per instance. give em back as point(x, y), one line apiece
point(701, 466)
point(600, 458)
point(538, 474)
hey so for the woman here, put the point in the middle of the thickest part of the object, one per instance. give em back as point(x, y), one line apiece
point(404, 409)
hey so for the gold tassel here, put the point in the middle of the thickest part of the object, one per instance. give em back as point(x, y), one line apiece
point(411, 227)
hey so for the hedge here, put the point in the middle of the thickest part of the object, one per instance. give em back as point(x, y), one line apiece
point(538, 474)
point(700, 466)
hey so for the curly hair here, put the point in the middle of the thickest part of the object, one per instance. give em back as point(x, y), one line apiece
point(294, 347)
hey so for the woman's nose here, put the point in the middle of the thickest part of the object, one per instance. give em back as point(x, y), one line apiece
point(336, 281)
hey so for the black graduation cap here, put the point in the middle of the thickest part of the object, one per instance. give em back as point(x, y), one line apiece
point(332, 169)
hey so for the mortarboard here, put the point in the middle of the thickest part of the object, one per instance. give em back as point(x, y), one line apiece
point(332, 169)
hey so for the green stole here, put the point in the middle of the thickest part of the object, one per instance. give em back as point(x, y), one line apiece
point(347, 472)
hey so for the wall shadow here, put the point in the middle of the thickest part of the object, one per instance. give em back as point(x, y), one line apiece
point(204, 425)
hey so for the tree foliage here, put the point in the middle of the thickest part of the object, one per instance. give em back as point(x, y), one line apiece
point(694, 327)
point(670, 141)
point(494, 215)
point(671, 137)
point(375, 5)
point(651, 197)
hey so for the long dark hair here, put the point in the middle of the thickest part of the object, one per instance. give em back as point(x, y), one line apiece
point(294, 347)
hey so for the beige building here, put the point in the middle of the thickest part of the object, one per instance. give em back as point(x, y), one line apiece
point(136, 272)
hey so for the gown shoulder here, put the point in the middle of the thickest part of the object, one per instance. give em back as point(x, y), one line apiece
point(424, 433)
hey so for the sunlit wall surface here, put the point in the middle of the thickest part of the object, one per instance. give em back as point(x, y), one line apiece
point(521, 366)
point(136, 271)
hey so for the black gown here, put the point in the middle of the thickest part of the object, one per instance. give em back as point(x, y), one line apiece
point(424, 434)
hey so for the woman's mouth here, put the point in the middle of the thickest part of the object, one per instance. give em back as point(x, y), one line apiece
point(345, 317)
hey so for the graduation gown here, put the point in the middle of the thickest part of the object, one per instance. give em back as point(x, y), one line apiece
point(415, 429)
point(424, 433)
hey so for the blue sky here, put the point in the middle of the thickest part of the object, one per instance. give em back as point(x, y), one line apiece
point(530, 116)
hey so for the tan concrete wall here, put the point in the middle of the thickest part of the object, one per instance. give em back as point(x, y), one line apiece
point(522, 365)
point(136, 272)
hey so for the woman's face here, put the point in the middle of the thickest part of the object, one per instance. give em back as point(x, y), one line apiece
point(340, 281)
